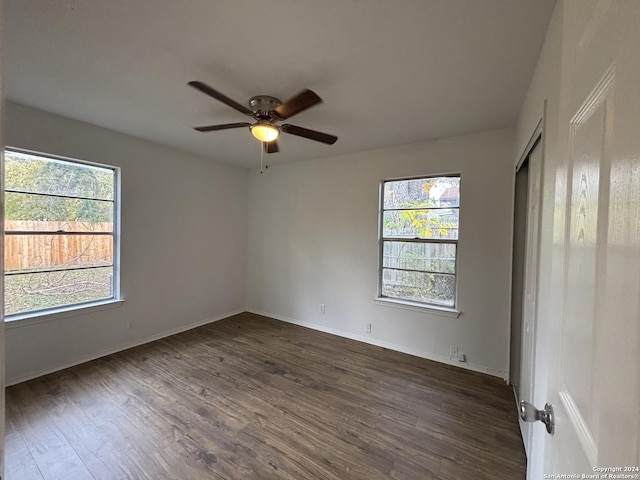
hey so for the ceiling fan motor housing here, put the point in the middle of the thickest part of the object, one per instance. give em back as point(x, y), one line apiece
point(263, 106)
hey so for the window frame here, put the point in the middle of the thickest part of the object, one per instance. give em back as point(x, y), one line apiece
point(381, 299)
point(71, 309)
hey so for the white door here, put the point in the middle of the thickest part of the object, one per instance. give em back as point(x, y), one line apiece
point(590, 346)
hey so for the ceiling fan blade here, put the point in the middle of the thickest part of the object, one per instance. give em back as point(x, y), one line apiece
point(220, 97)
point(271, 147)
point(310, 134)
point(224, 126)
point(297, 104)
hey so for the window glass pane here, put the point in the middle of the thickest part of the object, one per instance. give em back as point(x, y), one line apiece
point(440, 223)
point(73, 212)
point(424, 210)
point(59, 215)
point(433, 288)
point(422, 192)
point(48, 252)
point(38, 174)
point(37, 291)
point(433, 257)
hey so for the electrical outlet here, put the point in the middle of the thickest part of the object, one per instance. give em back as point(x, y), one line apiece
point(322, 309)
point(453, 352)
point(130, 324)
point(462, 357)
point(367, 328)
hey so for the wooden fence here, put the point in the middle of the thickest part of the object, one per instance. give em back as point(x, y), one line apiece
point(26, 252)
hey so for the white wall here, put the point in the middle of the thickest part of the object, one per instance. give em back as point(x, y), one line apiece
point(312, 239)
point(183, 244)
point(188, 256)
point(544, 86)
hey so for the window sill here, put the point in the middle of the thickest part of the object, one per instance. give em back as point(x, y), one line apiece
point(418, 307)
point(31, 318)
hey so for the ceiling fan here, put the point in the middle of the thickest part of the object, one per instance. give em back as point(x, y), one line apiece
point(268, 112)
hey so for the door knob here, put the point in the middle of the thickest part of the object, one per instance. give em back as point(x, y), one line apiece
point(529, 413)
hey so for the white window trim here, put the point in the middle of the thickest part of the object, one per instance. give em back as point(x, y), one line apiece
point(434, 308)
point(418, 307)
point(38, 316)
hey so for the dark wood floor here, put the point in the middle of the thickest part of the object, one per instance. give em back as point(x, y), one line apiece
point(254, 398)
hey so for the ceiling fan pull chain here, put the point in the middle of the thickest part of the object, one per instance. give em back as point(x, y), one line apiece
point(261, 156)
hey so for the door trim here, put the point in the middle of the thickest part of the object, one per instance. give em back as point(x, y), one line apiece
point(535, 137)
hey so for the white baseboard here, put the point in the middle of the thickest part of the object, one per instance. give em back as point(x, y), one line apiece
point(183, 328)
point(391, 346)
point(341, 333)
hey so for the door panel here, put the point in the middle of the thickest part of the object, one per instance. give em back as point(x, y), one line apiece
point(587, 232)
point(518, 274)
point(527, 372)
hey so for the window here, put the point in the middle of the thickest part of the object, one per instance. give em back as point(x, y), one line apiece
point(61, 245)
point(419, 220)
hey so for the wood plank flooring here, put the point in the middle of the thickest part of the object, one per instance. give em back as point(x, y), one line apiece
point(254, 398)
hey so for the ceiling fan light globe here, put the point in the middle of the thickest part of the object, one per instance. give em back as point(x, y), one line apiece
point(264, 132)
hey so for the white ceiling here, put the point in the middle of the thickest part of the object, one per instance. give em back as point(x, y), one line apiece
point(389, 71)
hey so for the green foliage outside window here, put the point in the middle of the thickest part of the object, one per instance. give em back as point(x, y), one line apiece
point(35, 175)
